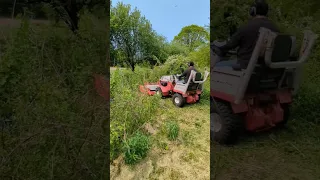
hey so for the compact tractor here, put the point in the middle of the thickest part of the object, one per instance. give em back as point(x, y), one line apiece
point(181, 92)
point(257, 98)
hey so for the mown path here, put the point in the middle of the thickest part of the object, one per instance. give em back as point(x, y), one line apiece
point(292, 153)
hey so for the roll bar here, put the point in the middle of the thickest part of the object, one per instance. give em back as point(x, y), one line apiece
point(193, 73)
point(308, 42)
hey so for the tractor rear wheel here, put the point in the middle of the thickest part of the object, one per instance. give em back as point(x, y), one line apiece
point(178, 100)
point(225, 126)
point(286, 114)
point(199, 98)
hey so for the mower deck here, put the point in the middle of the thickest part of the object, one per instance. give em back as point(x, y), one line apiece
point(149, 89)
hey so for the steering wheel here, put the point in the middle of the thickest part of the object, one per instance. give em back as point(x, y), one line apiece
point(176, 76)
point(218, 43)
point(215, 45)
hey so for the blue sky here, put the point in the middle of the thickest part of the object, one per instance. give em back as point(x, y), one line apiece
point(169, 16)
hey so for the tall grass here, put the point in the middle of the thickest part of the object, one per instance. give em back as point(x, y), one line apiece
point(47, 94)
point(129, 109)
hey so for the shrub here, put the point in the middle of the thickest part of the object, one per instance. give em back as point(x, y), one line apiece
point(136, 148)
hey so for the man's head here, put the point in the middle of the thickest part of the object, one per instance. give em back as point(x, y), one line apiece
point(259, 8)
point(190, 63)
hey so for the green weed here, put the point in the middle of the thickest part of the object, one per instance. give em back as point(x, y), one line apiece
point(172, 128)
point(136, 148)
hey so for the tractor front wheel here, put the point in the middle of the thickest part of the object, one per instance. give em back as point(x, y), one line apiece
point(159, 92)
point(178, 100)
point(225, 126)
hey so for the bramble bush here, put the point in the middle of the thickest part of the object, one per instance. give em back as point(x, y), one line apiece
point(47, 93)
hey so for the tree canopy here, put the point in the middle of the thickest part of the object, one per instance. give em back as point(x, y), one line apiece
point(134, 41)
point(192, 36)
point(132, 37)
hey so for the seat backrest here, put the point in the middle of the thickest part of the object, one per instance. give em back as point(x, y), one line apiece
point(276, 48)
point(192, 85)
point(282, 48)
point(198, 76)
point(264, 77)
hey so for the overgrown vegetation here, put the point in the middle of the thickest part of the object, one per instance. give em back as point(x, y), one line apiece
point(144, 56)
point(292, 17)
point(57, 120)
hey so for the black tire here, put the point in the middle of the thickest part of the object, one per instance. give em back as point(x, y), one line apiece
point(199, 98)
point(159, 92)
point(286, 114)
point(178, 100)
point(225, 126)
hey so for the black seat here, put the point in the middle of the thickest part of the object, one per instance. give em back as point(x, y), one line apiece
point(265, 78)
point(194, 86)
point(198, 77)
point(163, 83)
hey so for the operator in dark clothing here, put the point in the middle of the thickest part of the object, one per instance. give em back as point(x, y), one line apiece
point(187, 72)
point(246, 36)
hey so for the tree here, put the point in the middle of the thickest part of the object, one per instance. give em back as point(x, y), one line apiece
point(175, 48)
point(132, 38)
point(69, 10)
point(192, 36)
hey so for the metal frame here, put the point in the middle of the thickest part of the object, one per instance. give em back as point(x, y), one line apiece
point(180, 87)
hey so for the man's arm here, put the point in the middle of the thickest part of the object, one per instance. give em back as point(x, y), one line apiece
point(233, 42)
point(184, 73)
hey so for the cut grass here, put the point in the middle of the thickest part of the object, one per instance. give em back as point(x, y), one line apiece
point(291, 153)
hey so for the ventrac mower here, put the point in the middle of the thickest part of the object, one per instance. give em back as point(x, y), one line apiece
point(258, 97)
point(181, 92)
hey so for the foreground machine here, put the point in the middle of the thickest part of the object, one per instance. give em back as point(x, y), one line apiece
point(181, 92)
point(257, 98)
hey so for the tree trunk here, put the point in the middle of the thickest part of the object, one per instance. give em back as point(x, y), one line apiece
point(13, 9)
point(73, 18)
point(132, 65)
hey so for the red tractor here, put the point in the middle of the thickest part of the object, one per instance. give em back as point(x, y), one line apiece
point(257, 98)
point(180, 91)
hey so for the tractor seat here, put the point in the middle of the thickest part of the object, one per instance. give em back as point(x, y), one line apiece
point(163, 83)
point(194, 86)
point(266, 78)
point(198, 77)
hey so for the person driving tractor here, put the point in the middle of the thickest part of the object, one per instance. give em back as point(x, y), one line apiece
point(187, 72)
point(246, 37)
